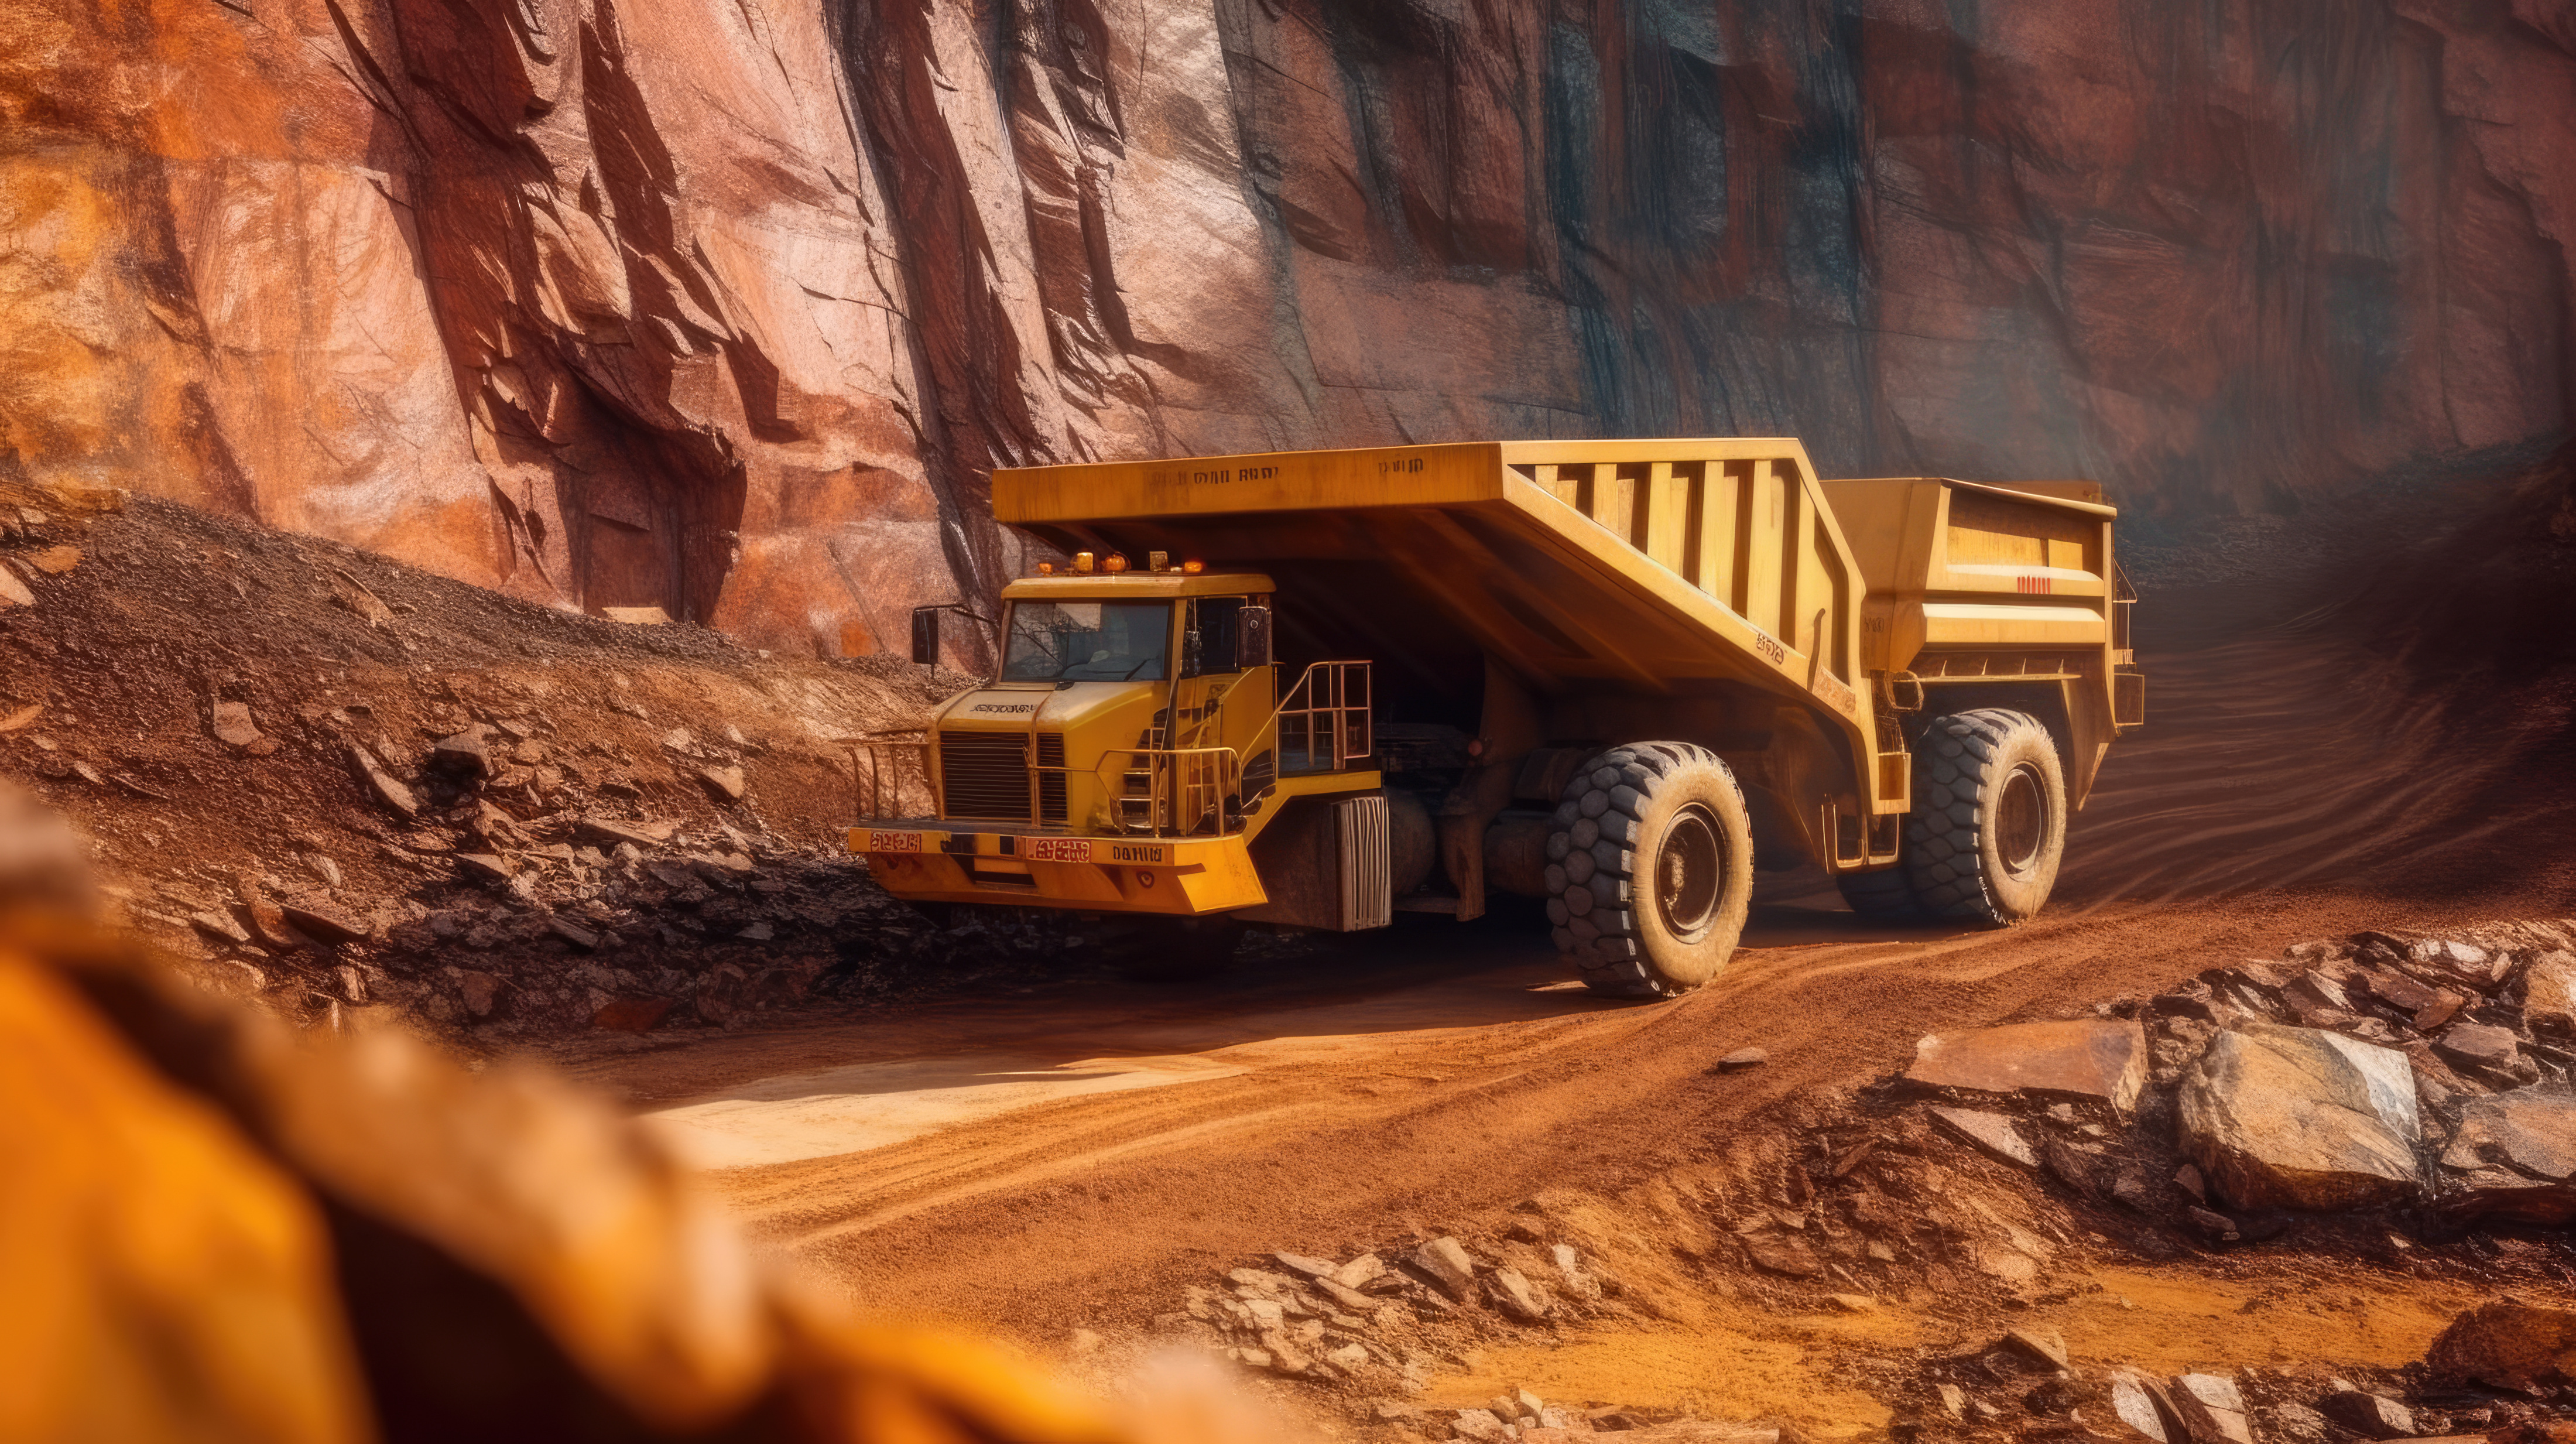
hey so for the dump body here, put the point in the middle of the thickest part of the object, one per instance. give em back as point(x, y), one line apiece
point(1974, 587)
point(1524, 604)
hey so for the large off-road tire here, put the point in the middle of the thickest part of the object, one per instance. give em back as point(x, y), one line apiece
point(1989, 823)
point(1885, 896)
point(1650, 869)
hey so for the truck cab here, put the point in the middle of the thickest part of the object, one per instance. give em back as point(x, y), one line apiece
point(1103, 676)
point(1127, 752)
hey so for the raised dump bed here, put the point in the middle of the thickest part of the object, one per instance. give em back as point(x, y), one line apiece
point(1524, 638)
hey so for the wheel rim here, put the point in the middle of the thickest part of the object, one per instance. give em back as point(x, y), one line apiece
point(1690, 874)
point(2021, 821)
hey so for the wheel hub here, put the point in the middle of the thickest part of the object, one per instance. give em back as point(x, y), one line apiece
point(2021, 821)
point(1690, 874)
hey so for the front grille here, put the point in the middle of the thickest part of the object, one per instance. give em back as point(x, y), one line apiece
point(1051, 784)
point(986, 775)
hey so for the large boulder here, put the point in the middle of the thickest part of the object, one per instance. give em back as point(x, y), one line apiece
point(2295, 1118)
point(2507, 1344)
point(2099, 1060)
point(2516, 1153)
point(2212, 1409)
point(2372, 1416)
point(2480, 1048)
point(2549, 992)
point(2478, 966)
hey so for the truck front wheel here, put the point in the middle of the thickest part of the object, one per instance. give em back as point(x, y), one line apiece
point(1989, 824)
point(1650, 869)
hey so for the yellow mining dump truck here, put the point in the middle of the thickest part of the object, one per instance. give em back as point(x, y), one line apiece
point(1309, 689)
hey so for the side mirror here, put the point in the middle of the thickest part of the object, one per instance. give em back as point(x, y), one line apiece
point(925, 635)
point(1251, 638)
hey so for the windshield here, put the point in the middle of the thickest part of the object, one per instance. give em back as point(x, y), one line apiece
point(1087, 641)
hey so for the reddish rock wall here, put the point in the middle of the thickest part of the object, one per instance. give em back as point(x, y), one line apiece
point(726, 307)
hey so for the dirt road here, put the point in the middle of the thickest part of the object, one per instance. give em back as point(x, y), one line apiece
point(1066, 1155)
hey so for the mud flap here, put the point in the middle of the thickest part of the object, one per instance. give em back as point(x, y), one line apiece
point(1325, 865)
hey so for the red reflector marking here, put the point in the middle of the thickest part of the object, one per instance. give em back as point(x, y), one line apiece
point(2038, 586)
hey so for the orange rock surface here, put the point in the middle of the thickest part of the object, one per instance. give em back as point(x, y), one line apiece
point(725, 308)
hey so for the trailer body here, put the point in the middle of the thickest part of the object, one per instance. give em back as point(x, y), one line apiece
point(1468, 629)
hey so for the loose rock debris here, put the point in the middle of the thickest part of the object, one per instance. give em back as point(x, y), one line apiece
point(2246, 1107)
point(347, 786)
point(1992, 1132)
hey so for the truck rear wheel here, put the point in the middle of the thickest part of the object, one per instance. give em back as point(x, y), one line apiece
point(1989, 824)
point(1650, 869)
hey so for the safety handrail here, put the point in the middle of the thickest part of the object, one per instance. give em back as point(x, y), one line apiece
point(1339, 722)
point(1176, 797)
point(1353, 734)
point(2124, 596)
point(1328, 713)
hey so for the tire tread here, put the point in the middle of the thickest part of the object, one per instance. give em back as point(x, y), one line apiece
point(1598, 814)
point(1943, 867)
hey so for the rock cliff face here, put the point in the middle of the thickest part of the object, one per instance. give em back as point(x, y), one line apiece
point(725, 306)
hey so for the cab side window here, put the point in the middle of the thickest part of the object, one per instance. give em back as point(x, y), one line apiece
point(1209, 634)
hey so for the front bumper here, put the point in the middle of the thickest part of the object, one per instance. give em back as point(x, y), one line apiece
point(934, 861)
